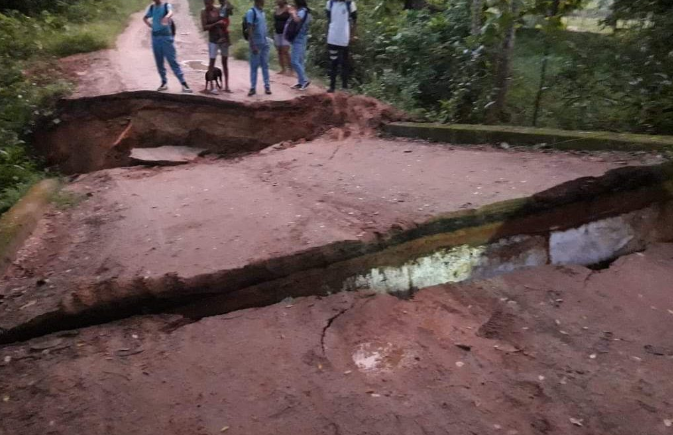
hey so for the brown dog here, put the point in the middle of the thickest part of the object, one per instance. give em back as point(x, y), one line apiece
point(213, 78)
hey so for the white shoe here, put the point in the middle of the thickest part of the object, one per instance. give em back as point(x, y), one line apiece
point(213, 92)
point(162, 88)
point(186, 89)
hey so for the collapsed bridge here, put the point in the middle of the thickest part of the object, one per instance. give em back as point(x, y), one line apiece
point(143, 261)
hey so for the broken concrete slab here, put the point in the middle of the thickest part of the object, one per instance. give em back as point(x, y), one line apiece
point(468, 244)
point(166, 155)
point(389, 365)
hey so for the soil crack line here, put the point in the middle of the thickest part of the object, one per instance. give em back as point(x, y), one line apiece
point(330, 321)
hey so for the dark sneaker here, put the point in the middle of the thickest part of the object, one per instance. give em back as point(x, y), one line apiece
point(186, 89)
point(297, 86)
point(162, 88)
point(305, 86)
point(252, 92)
point(330, 90)
point(267, 91)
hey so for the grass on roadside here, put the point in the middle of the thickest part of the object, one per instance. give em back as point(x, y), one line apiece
point(30, 45)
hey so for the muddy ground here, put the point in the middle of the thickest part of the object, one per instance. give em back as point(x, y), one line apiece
point(552, 350)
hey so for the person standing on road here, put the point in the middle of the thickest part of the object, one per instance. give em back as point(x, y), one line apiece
point(218, 38)
point(163, 44)
point(342, 17)
point(259, 47)
point(301, 14)
point(280, 17)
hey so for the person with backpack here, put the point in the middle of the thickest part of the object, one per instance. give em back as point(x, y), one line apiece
point(342, 17)
point(280, 17)
point(296, 31)
point(254, 30)
point(217, 26)
point(159, 18)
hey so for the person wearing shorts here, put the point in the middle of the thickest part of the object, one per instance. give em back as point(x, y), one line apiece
point(218, 38)
point(280, 17)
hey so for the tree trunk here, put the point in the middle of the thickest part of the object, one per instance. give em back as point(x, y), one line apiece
point(477, 16)
point(545, 60)
point(503, 70)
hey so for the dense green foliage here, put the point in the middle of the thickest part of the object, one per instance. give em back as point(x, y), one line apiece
point(32, 34)
point(428, 62)
point(422, 61)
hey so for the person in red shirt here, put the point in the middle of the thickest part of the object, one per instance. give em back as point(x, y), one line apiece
point(216, 23)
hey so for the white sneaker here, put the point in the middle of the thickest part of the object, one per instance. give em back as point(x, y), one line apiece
point(162, 88)
point(213, 92)
point(186, 89)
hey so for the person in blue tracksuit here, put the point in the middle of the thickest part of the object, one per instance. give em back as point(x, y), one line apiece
point(159, 17)
point(259, 47)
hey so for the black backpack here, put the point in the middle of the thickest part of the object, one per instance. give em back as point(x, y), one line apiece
point(165, 13)
point(246, 25)
point(292, 28)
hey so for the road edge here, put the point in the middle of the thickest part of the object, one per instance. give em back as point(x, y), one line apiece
point(19, 222)
point(529, 136)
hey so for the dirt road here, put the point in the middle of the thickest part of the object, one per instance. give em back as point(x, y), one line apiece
point(130, 66)
point(552, 350)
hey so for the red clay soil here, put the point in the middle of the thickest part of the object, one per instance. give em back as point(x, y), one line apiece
point(130, 65)
point(552, 350)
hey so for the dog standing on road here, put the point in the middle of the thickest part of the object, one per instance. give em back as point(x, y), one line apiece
point(213, 79)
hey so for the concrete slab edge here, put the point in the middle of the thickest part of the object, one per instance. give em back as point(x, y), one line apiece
point(554, 138)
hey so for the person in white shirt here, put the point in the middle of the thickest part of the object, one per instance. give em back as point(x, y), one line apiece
point(342, 17)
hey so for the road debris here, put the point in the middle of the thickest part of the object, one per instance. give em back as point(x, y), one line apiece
point(124, 352)
point(577, 422)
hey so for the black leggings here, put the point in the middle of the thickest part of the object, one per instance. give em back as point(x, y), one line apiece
point(338, 55)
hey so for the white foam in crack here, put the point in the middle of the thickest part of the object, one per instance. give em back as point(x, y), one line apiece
point(591, 243)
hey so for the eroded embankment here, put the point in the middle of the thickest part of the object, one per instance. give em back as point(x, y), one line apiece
point(96, 133)
point(586, 221)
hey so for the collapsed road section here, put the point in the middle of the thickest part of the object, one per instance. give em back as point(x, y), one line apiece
point(93, 133)
point(147, 297)
point(111, 258)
